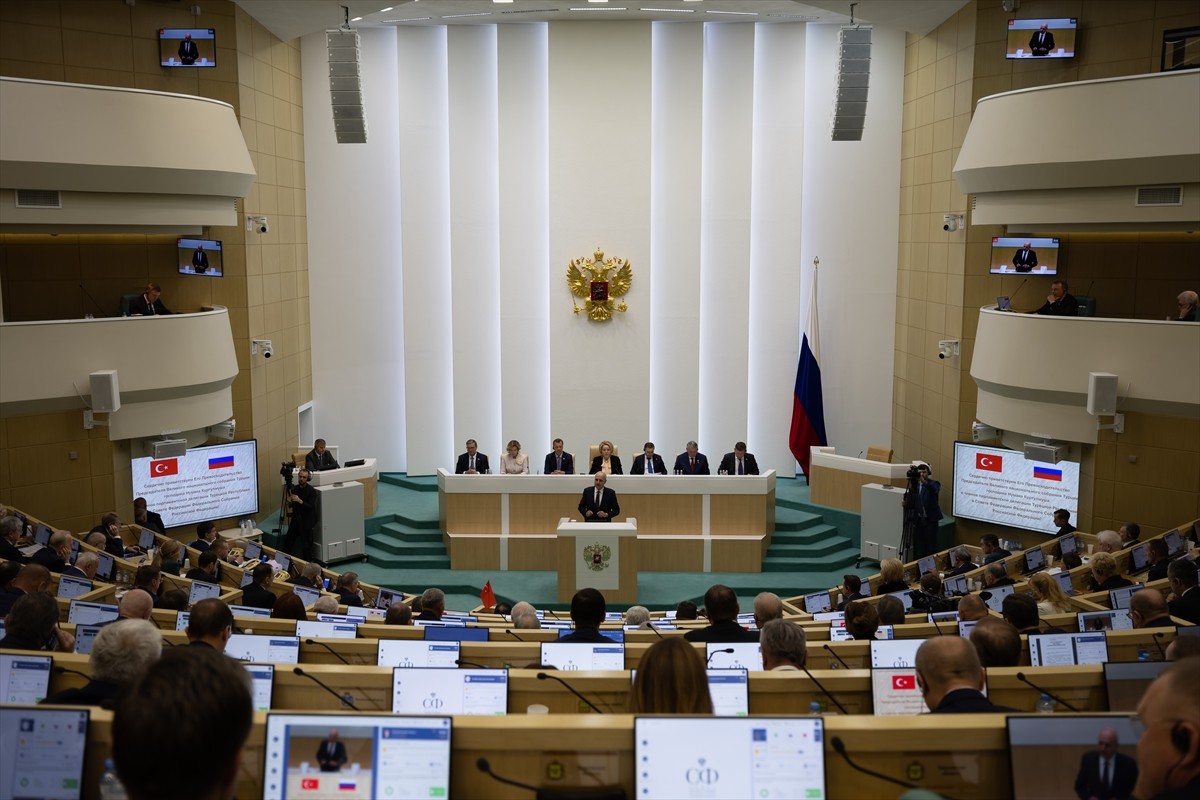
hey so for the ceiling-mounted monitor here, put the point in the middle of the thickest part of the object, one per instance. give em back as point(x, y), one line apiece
point(1041, 38)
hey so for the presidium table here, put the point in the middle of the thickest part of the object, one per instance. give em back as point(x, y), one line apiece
point(685, 523)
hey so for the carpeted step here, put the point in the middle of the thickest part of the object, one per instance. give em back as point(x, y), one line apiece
point(424, 483)
point(835, 559)
point(410, 533)
point(788, 519)
point(828, 545)
point(407, 562)
point(399, 547)
point(813, 535)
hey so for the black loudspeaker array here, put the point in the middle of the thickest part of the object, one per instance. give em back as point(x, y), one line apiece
point(853, 80)
point(345, 86)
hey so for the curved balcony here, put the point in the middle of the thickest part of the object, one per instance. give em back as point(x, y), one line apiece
point(1032, 371)
point(174, 372)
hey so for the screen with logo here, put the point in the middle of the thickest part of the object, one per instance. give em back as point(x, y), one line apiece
point(202, 590)
point(82, 612)
point(995, 485)
point(730, 692)
point(264, 649)
point(1013, 255)
point(478, 692)
point(200, 257)
point(1119, 598)
point(262, 681)
point(326, 630)
point(729, 757)
point(69, 587)
point(24, 679)
point(996, 595)
point(456, 634)
point(204, 483)
point(895, 653)
point(1067, 649)
point(1127, 681)
point(734, 655)
point(581, 655)
point(1051, 753)
point(42, 753)
point(1105, 620)
point(1041, 38)
point(307, 595)
point(250, 611)
point(356, 756)
point(894, 692)
point(415, 653)
point(817, 602)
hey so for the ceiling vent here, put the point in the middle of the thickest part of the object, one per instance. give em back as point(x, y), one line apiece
point(1159, 196)
point(38, 198)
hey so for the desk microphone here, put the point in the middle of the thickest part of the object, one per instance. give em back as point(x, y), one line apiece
point(89, 297)
point(336, 654)
point(1088, 293)
point(62, 670)
point(483, 766)
point(543, 676)
point(1014, 294)
point(824, 691)
point(513, 634)
point(650, 625)
point(551, 613)
point(462, 663)
point(840, 747)
point(833, 653)
point(933, 619)
point(1157, 636)
point(346, 699)
point(708, 661)
point(1021, 677)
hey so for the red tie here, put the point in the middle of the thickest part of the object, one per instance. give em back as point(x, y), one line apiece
point(693, 463)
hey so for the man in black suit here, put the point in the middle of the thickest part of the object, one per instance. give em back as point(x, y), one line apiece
point(951, 679)
point(146, 518)
point(256, 594)
point(207, 568)
point(1104, 773)
point(433, 604)
point(32, 579)
point(56, 552)
point(1062, 519)
point(331, 754)
point(691, 461)
point(148, 304)
point(721, 608)
point(739, 462)
point(206, 534)
point(559, 462)
point(1159, 556)
point(851, 591)
point(587, 612)
point(648, 462)
point(319, 458)
point(188, 53)
point(199, 258)
point(1041, 43)
point(962, 561)
point(1025, 259)
point(1149, 610)
point(11, 529)
point(119, 655)
point(110, 526)
point(471, 462)
point(302, 508)
point(926, 510)
point(599, 504)
point(1184, 600)
point(995, 574)
point(1059, 303)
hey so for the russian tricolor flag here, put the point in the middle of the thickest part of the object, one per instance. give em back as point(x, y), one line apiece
point(808, 409)
point(220, 462)
point(1047, 473)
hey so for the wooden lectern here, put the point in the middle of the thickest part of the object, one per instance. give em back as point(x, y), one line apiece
point(600, 555)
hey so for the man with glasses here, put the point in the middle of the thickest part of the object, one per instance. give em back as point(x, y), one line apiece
point(1168, 750)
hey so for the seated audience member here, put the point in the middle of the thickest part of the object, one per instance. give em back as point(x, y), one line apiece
point(686, 610)
point(503, 609)
point(1021, 611)
point(326, 604)
point(524, 616)
point(638, 616)
point(1148, 609)
point(30, 579)
point(721, 607)
point(930, 598)
point(173, 600)
point(1071, 561)
point(319, 458)
point(891, 577)
point(994, 574)
point(210, 624)
point(433, 604)
point(56, 552)
point(86, 564)
point(110, 526)
point(784, 646)
point(1182, 647)
point(169, 557)
point(148, 578)
point(287, 606)
point(1168, 752)
point(691, 461)
point(862, 620)
point(8, 571)
point(471, 462)
point(739, 462)
point(989, 543)
point(1105, 577)
point(767, 606)
point(1105, 772)
point(96, 539)
point(206, 534)
point(310, 576)
point(1108, 542)
point(1059, 303)
point(256, 594)
point(32, 624)
point(135, 604)
point(1159, 557)
point(398, 614)
point(890, 610)
point(997, 643)
point(1062, 520)
point(208, 568)
point(1184, 599)
point(1187, 306)
point(224, 552)
point(951, 678)
point(11, 529)
point(587, 612)
point(120, 654)
point(962, 559)
point(559, 462)
point(851, 591)
point(214, 707)
point(1049, 595)
point(349, 589)
point(514, 462)
point(1130, 532)
point(671, 679)
point(146, 518)
point(971, 608)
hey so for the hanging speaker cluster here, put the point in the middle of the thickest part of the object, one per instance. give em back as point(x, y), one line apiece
point(853, 80)
point(345, 86)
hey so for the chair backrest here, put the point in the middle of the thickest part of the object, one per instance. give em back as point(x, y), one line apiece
point(594, 450)
point(1087, 306)
point(127, 302)
point(883, 454)
point(299, 455)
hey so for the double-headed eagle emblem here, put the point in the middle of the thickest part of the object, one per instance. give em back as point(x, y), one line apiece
point(596, 557)
point(596, 287)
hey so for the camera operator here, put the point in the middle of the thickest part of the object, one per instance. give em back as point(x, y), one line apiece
point(922, 499)
point(302, 510)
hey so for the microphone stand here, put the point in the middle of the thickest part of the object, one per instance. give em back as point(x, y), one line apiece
point(1021, 677)
point(335, 653)
point(345, 699)
point(833, 653)
point(542, 676)
point(840, 747)
point(824, 691)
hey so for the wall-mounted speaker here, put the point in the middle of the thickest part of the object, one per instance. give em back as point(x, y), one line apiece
point(853, 80)
point(1102, 393)
point(168, 448)
point(106, 392)
point(1045, 452)
point(345, 86)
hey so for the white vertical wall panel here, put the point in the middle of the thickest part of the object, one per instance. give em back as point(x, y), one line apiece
point(525, 274)
point(725, 234)
point(775, 240)
point(424, 179)
point(599, 111)
point(675, 236)
point(475, 234)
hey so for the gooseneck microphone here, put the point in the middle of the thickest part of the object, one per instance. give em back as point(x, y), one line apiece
point(1157, 643)
point(345, 699)
point(1021, 677)
point(89, 297)
point(462, 663)
point(840, 747)
point(833, 653)
point(650, 625)
point(483, 766)
point(1013, 296)
point(62, 670)
point(708, 661)
point(513, 634)
point(544, 676)
point(336, 654)
point(824, 691)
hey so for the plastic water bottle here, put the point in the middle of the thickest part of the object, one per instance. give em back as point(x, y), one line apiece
point(814, 708)
point(1143, 654)
point(1046, 704)
point(111, 787)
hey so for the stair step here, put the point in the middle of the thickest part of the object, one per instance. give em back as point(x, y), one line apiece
point(406, 532)
point(829, 545)
point(402, 548)
point(808, 536)
point(419, 484)
point(838, 559)
point(409, 562)
point(794, 517)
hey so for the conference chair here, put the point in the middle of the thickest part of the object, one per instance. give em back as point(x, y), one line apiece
point(882, 454)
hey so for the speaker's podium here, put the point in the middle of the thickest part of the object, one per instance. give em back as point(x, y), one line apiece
point(602, 555)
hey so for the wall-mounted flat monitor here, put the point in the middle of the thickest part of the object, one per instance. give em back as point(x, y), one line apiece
point(187, 47)
point(1042, 38)
point(992, 484)
point(200, 257)
point(209, 482)
point(1024, 255)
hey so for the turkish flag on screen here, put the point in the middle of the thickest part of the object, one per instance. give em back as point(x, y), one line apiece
point(989, 462)
point(310, 783)
point(904, 682)
point(166, 466)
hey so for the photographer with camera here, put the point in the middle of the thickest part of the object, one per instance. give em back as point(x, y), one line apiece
point(922, 509)
point(302, 511)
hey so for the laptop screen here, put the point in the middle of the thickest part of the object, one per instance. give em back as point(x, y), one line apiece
point(24, 679)
point(608, 633)
point(366, 614)
point(252, 552)
point(729, 757)
point(264, 649)
point(1174, 542)
point(1049, 753)
point(283, 560)
point(738, 655)
point(829, 616)
point(415, 653)
point(85, 613)
point(965, 626)
point(1003, 303)
point(326, 630)
point(895, 653)
point(426, 690)
point(181, 621)
point(1119, 598)
point(42, 535)
point(1105, 620)
point(1139, 558)
point(817, 602)
point(250, 611)
point(85, 637)
point(69, 587)
point(307, 595)
point(840, 634)
point(926, 564)
point(1127, 681)
point(246, 579)
point(998, 593)
point(387, 596)
point(106, 567)
point(894, 692)
point(202, 590)
point(42, 752)
point(146, 539)
point(1067, 649)
point(730, 692)
point(579, 655)
point(262, 680)
point(435, 634)
point(955, 585)
point(1064, 582)
point(904, 596)
point(1067, 544)
point(373, 755)
point(1034, 559)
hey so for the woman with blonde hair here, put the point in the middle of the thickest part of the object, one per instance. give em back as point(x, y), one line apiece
point(169, 557)
point(891, 576)
point(671, 679)
point(606, 461)
point(514, 462)
point(1050, 596)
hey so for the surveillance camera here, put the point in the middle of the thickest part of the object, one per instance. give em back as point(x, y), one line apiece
point(264, 345)
point(268, 350)
point(952, 222)
point(942, 354)
point(258, 224)
point(948, 347)
point(263, 227)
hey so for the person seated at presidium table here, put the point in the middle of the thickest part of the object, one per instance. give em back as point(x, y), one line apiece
point(1059, 303)
point(319, 458)
point(649, 462)
point(514, 462)
point(1188, 301)
point(471, 462)
point(559, 462)
point(599, 504)
point(606, 461)
point(147, 304)
point(691, 461)
point(739, 462)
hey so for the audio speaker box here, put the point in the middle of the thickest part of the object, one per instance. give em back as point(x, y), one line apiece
point(1102, 393)
point(169, 448)
point(106, 392)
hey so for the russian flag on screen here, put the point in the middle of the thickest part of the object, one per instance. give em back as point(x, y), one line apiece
point(347, 786)
point(1047, 473)
point(220, 462)
point(808, 409)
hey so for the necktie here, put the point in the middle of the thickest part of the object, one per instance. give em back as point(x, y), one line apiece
point(472, 466)
point(1108, 773)
point(559, 467)
point(597, 499)
point(693, 463)
point(739, 469)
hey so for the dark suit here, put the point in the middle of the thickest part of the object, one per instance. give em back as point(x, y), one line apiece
point(93, 693)
point(8, 596)
point(656, 465)
point(729, 464)
point(199, 258)
point(200, 545)
point(568, 463)
point(349, 598)
point(1158, 571)
point(74, 572)
point(197, 574)
point(608, 504)
point(256, 596)
point(481, 463)
point(613, 461)
point(999, 554)
point(188, 54)
point(1088, 782)
point(961, 569)
point(154, 522)
point(48, 559)
point(140, 305)
point(968, 701)
point(1113, 582)
point(586, 636)
point(10, 552)
point(1065, 306)
point(683, 464)
point(1025, 260)
point(1041, 43)
point(1187, 606)
point(315, 463)
point(727, 632)
point(849, 599)
point(331, 756)
point(1065, 530)
point(926, 514)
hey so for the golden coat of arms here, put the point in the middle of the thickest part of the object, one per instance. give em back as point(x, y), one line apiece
point(596, 287)
point(596, 557)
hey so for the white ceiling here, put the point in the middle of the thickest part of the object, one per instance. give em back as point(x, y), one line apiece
point(290, 19)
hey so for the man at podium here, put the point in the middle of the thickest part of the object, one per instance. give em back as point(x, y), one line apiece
point(319, 458)
point(599, 504)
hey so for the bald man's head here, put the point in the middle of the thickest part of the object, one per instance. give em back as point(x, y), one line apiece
point(767, 606)
point(972, 608)
point(946, 663)
point(32, 578)
point(1147, 607)
point(136, 604)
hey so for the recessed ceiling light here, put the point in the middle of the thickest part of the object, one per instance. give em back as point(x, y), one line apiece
point(382, 10)
point(398, 21)
point(670, 10)
point(597, 8)
point(356, 19)
point(502, 1)
point(476, 14)
point(735, 13)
